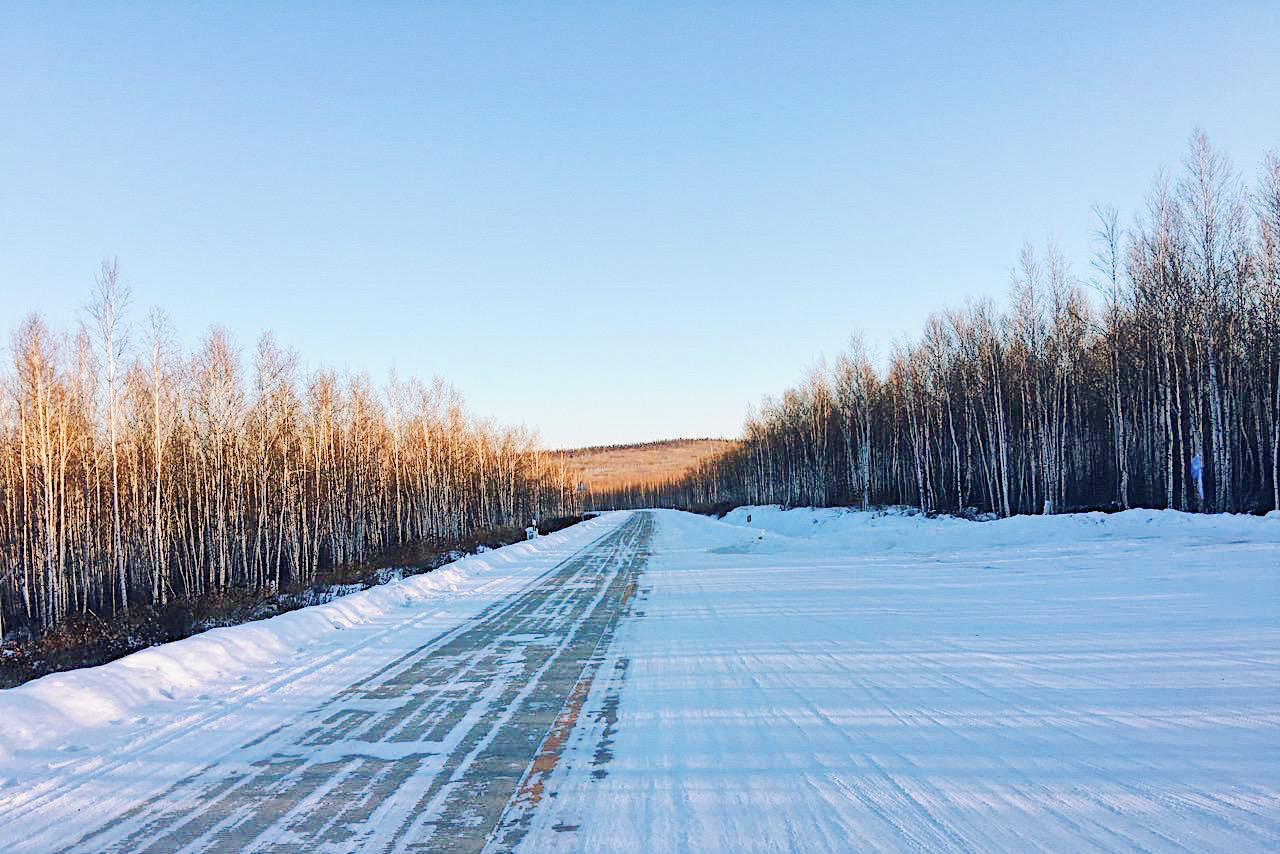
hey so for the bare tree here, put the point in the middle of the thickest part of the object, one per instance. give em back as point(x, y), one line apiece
point(109, 302)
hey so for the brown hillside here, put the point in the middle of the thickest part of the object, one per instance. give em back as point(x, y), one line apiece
point(610, 466)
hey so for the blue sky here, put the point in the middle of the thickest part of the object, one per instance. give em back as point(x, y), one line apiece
point(612, 222)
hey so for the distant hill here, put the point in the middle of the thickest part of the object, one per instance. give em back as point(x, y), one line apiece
point(608, 466)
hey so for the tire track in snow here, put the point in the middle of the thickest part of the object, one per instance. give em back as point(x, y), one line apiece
point(797, 699)
point(1246, 825)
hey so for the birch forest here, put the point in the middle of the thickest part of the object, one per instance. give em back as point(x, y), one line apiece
point(131, 473)
point(1152, 381)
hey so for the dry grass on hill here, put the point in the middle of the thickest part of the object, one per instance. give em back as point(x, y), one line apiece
point(610, 466)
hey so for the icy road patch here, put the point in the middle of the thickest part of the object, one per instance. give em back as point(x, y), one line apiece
point(396, 716)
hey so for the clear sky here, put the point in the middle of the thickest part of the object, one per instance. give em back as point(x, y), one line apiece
point(609, 221)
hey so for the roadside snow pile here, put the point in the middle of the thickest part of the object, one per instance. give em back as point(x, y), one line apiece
point(907, 530)
point(57, 709)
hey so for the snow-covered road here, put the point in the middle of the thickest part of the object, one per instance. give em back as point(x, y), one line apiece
point(404, 728)
point(860, 683)
point(666, 682)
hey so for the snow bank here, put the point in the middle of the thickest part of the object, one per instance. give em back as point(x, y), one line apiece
point(62, 708)
point(908, 531)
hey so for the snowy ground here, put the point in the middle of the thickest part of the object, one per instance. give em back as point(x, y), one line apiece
point(667, 682)
point(859, 683)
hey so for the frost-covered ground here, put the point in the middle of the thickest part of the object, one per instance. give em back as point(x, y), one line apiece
point(853, 682)
point(668, 682)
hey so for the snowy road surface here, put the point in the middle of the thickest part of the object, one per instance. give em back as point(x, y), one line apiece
point(665, 682)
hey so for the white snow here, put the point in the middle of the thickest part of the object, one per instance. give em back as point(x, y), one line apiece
point(821, 680)
point(852, 681)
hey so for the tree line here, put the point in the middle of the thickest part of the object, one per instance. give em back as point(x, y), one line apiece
point(1162, 390)
point(133, 475)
